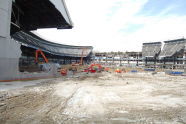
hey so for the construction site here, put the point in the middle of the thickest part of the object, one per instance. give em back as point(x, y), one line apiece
point(51, 83)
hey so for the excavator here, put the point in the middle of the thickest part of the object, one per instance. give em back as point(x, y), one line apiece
point(43, 66)
point(43, 55)
point(75, 66)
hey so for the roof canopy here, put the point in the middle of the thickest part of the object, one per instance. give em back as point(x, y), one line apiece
point(34, 14)
point(31, 40)
point(172, 47)
point(151, 49)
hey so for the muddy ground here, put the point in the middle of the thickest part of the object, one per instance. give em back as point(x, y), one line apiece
point(108, 98)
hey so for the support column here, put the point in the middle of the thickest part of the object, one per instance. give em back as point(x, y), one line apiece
point(164, 63)
point(145, 61)
point(184, 62)
point(99, 59)
point(120, 60)
point(174, 60)
point(113, 59)
point(106, 58)
point(137, 59)
point(155, 62)
point(9, 50)
point(64, 60)
point(70, 60)
point(128, 60)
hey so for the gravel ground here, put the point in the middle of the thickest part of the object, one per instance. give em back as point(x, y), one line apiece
point(108, 98)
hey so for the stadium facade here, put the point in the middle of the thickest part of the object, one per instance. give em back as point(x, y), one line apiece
point(18, 44)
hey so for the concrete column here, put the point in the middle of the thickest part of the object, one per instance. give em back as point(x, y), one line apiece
point(164, 62)
point(113, 59)
point(120, 60)
point(184, 62)
point(99, 59)
point(137, 57)
point(155, 59)
point(106, 58)
point(184, 57)
point(9, 50)
point(5, 16)
point(102, 59)
point(146, 61)
point(71, 61)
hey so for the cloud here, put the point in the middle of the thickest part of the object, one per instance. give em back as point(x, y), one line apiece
point(118, 25)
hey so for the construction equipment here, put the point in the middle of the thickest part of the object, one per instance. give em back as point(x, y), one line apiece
point(118, 70)
point(81, 60)
point(94, 68)
point(43, 55)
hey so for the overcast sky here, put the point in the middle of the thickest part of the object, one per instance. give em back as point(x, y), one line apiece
point(121, 25)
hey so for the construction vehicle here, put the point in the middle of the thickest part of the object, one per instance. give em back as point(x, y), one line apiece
point(42, 66)
point(81, 60)
point(94, 68)
point(43, 55)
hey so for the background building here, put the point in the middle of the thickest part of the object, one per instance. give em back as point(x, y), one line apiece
point(119, 58)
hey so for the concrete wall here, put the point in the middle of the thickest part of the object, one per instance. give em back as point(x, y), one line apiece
point(9, 49)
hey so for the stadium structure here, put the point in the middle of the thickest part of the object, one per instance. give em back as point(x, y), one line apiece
point(150, 52)
point(118, 58)
point(18, 45)
point(171, 56)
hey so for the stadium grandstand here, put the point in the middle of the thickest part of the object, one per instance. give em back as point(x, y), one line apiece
point(150, 52)
point(31, 41)
point(151, 49)
point(55, 53)
point(173, 48)
point(173, 54)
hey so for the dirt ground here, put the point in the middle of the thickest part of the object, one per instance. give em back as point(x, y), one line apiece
point(109, 98)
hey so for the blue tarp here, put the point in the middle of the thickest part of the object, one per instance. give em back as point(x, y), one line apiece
point(176, 73)
point(149, 69)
